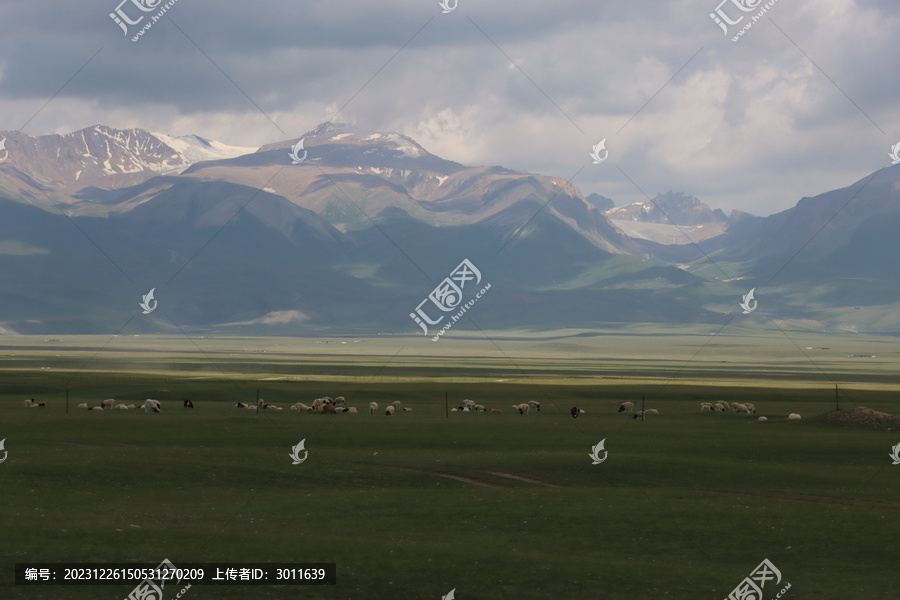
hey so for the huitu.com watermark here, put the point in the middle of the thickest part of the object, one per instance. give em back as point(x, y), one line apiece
point(123, 20)
point(751, 588)
point(152, 587)
point(448, 296)
point(723, 20)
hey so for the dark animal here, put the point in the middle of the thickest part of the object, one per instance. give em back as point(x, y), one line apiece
point(328, 409)
point(574, 412)
point(188, 404)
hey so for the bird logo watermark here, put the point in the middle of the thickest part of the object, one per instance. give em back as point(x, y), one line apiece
point(296, 159)
point(449, 596)
point(296, 450)
point(596, 153)
point(6, 152)
point(148, 298)
point(6, 452)
point(748, 298)
point(895, 455)
point(894, 154)
point(447, 6)
point(595, 452)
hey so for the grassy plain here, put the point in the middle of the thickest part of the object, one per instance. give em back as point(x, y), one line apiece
point(495, 506)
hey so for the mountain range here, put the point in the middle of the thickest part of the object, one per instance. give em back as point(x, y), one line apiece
point(353, 238)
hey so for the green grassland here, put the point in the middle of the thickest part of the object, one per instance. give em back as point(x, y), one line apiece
point(495, 506)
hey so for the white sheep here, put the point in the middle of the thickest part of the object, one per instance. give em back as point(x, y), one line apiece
point(406, 409)
point(535, 405)
point(740, 408)
point(396, 404)
point(131, 407)
point(151, 405)
point(300, 407)
point(390, 410)
point(626, 407)
point(722, 406)
point(29, 403)
point(522, 408)
point(120, 407)
point(339, 401)
point(761, 419)
point(352, 410)
point(96, 408)
point(706, 406)
point(373, 406)
point(108, 403)
point(470, 404)
point(793, 416)
point(651, 411)
point(83, 405)
point(480, 408)
point(318, 403)
point(750, 407)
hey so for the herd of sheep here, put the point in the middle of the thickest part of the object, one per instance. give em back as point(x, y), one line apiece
point(745, 408)
point(327, 405)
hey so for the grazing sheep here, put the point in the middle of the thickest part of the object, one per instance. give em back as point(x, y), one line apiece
point(83, 405)
point(480, 408)
point(535, 405)
point(96, 408)
point(405, 409)
point(639, 413)
point(241, 405)
point(740, 408)
point(750, 407)
point(651, 411)
point(108, 403)
point(260, 403)
point(328, 409)
point(251, 407)
point(300, 407)
point(522, 408)
point(29, 403)
point(396, 404)
point(120, 407)
point(469, 404)
point(339, 401)
point(626, 407)
point(38, 404)
point(793, 416)
point(496, 411)
point(722, 406)
point(762, 419)
point(131, 407)
point(151, 405)
point(373, 406)
point(706, 406)
point(352, 410)
point(389, 411)
point(575, 412)
point(453, 410)
point(318, 403)
point(188, 404)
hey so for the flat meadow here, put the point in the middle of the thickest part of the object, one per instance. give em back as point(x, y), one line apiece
point(686, 504)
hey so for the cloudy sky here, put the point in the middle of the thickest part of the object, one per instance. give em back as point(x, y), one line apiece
point(805, 101)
